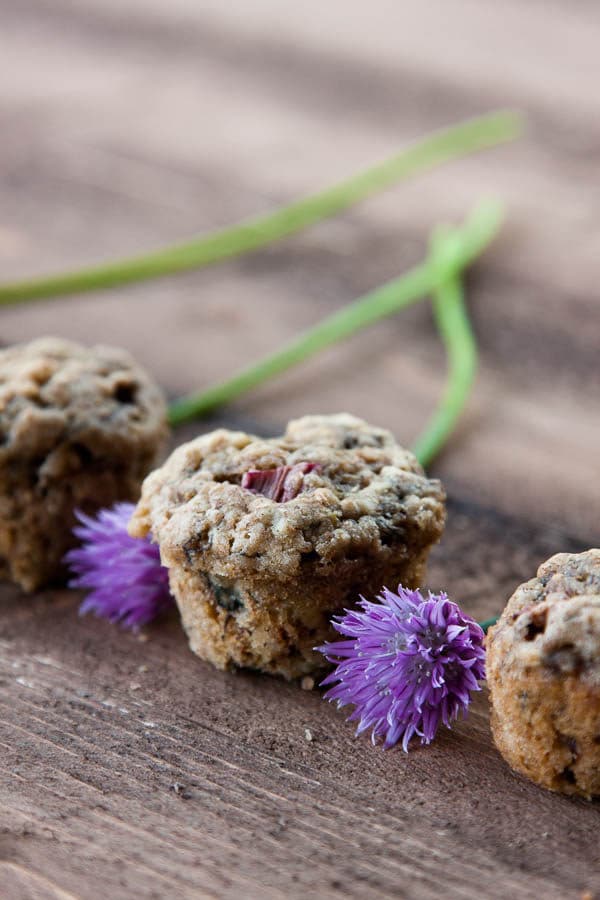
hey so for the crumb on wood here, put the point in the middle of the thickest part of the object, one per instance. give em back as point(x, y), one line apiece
point(308, 734)
point(180, 790)
point(307, 683)
point(280, 826)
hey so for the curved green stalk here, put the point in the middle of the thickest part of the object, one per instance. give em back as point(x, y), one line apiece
point(458, 140)
point(464, 245)
point(455, 328)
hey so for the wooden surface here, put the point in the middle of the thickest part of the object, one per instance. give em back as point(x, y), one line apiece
point(128, 767)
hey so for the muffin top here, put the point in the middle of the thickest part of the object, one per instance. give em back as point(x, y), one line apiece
point(330, 487)
point(553, 621)
point(52, 391)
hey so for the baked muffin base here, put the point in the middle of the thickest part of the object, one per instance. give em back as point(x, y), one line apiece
point(37, 520)
point(274, 625)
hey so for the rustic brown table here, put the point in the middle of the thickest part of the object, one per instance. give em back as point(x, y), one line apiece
point(128, 767)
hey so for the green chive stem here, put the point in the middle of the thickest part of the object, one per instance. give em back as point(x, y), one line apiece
point(441, 146)
point(488, 624)
point(465, 245)
point(453, 323)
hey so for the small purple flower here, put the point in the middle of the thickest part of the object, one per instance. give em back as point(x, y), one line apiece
point(409, 664)
point(124, 576)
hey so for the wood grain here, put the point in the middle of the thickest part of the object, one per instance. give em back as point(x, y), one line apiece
point(128, 767)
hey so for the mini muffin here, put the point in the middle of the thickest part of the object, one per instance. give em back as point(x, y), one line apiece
point(265, 540)
point(79, 429)
point(543, 669)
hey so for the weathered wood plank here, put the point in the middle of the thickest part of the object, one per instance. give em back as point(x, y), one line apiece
point(137, 762)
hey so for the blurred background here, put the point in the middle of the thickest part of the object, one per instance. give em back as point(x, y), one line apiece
point(127, 124)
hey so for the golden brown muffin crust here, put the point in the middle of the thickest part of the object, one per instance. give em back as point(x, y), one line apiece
point(268, 575)
point(543, 665)
point(79, 428)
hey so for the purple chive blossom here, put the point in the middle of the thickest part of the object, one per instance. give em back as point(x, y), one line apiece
point(409, 663)
point(123, 575)
point(280, 484)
